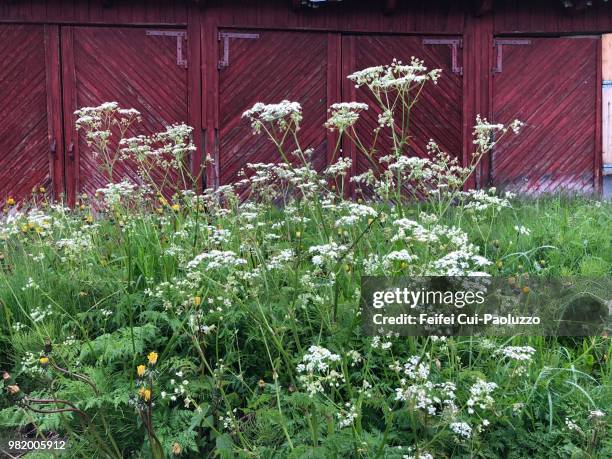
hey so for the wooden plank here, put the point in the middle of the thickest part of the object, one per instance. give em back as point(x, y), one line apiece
point(556, 150)
point(210, 97)
point(24, 126)
point(168, 12)
point(598, 163)
point(150, 77)
point(334, 87)
point(349, 94)
point(194, 91)
point(54, 109)
point(606, 56)
point(69, 104)
point(279, 65)
point(477, 58)
point(437, 115)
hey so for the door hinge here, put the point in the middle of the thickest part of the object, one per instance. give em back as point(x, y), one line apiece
point(455, 44)
point(225, 37)
point(498, 44)
point(180, 36)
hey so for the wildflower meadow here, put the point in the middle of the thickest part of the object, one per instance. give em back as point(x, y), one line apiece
point(154, 319)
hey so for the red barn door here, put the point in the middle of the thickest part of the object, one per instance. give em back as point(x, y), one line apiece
point(139, 68)
point(551, 85)
point(27, 145)
point(438, 113)
point(267, 66)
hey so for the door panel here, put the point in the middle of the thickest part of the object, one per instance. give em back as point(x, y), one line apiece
point(25, 159)
point(139, 68)
point(267, 66)
point(551, 85)
point(437, 114)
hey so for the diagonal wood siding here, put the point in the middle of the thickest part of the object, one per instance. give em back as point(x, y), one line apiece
point(437, 114)
point(132, 68)
point(551, 85)
point(24, 148)
point(273, 67)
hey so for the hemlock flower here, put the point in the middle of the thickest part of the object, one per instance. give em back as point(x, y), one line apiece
point(344, 115)
point(520, 353)
point(462, 429)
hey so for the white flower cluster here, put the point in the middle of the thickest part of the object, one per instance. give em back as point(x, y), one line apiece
point(520, 353)
point(216, 259)
point(167, 149)
point(478, 201)
point(74, 246)
point(457, 256)
point(280, 114)
point(281, 260)
point(480, 395)
point(113, 192)
point(327, 254)
point(520, 229)
point(396, 76)
point(414, 368)
point(37, 315)
point(460, 263)
point(356, 212)
point(421, 455)
point(485, 133)
point(316, 369)
point(98, 121)
point(347, 417)
point(462, 429)
point(344, 114)
point(339, 168)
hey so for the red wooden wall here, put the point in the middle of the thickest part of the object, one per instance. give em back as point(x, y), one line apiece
point(304, 53)
point(150, 76)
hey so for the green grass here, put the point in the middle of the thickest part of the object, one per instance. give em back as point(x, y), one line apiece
point(127, 291)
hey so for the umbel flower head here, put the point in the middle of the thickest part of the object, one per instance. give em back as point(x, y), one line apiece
point(396, 76)
point(279, 115)
point(344, 115)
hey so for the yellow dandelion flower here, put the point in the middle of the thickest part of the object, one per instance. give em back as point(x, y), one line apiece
point(145, 394)
point(197, 300)
point(140, 370)
point(298, 234)
point(42, 189)
point(89, 219)
point(44, 361)
point(152, 357)
point(13, 389)
point(10, 201)
point(176, 207)
point(526, 289)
